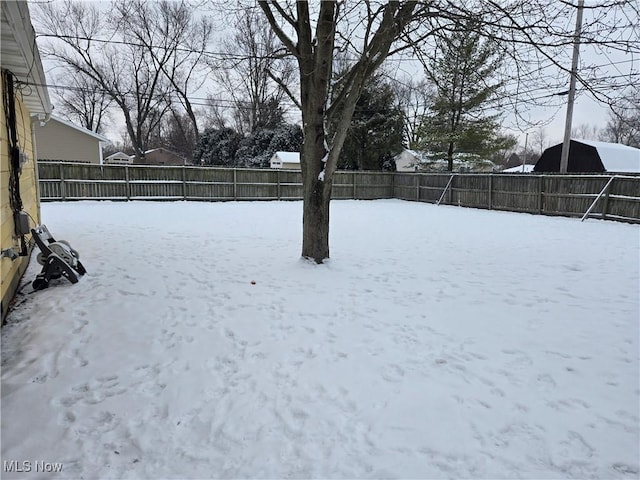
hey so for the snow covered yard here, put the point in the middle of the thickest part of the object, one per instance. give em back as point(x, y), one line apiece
point(438, 342)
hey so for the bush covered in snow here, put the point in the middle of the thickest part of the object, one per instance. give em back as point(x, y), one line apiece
point(225, 147)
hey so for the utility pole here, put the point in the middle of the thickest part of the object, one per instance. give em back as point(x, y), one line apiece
point(564, 157)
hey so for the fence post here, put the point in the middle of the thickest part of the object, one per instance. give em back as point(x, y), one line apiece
point(490, 191)
point(278, 182)
point(354, 184)
point(235, 184)
point(184, 182)
point(127, 184)
point(417, 187)
point(63, 188)
point(540, 193)
point(605, 206)
point(393, 185)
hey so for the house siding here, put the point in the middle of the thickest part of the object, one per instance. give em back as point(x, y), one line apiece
point(57, 141)
point(290, 166)
point(405, 162)
point(12, 270)
point(161, 157)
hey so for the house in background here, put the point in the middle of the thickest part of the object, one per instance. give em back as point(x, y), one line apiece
point(519, 169)
point(515, 160)
point(118, 158)
point(161, 156)
point(61, 140)
point(420, 161)
point(408, 161)
point(23, 109)
point(285, 160)
point(591, 156)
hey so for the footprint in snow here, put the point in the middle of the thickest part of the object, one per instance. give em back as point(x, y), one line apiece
point(546, 381)
point(67, 418)
point(92, 393)
point(626, 470)
point(40, 378)
point(79, 326)
point(393, 373)
point(78, 358)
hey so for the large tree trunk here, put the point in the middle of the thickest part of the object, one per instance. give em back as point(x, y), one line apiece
point(315, 222)
point(316, 180)
point(450, 157)
point(315, 65)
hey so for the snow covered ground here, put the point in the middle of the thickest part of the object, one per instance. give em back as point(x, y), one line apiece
point(438, 342)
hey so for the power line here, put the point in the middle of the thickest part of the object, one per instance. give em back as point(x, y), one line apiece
point(275, 56)
point(141, 45)
point(197, 101)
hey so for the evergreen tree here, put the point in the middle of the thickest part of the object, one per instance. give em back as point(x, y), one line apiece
point(376, 131)
point(217, 147)
point(269, 114)
point(226, 147)
point(254, 149)
point(461, 70)
point(286, 138)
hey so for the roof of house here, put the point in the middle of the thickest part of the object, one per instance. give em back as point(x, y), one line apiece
point(160, 149)
point(86, 131)
point(20, 55)
point(118, 155)
point(615, 156)
point(519, 169)
point(288, 157)
point(418, 155)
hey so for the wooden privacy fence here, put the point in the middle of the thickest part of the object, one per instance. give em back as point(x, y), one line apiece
point(615, 197)
point(72, 181)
